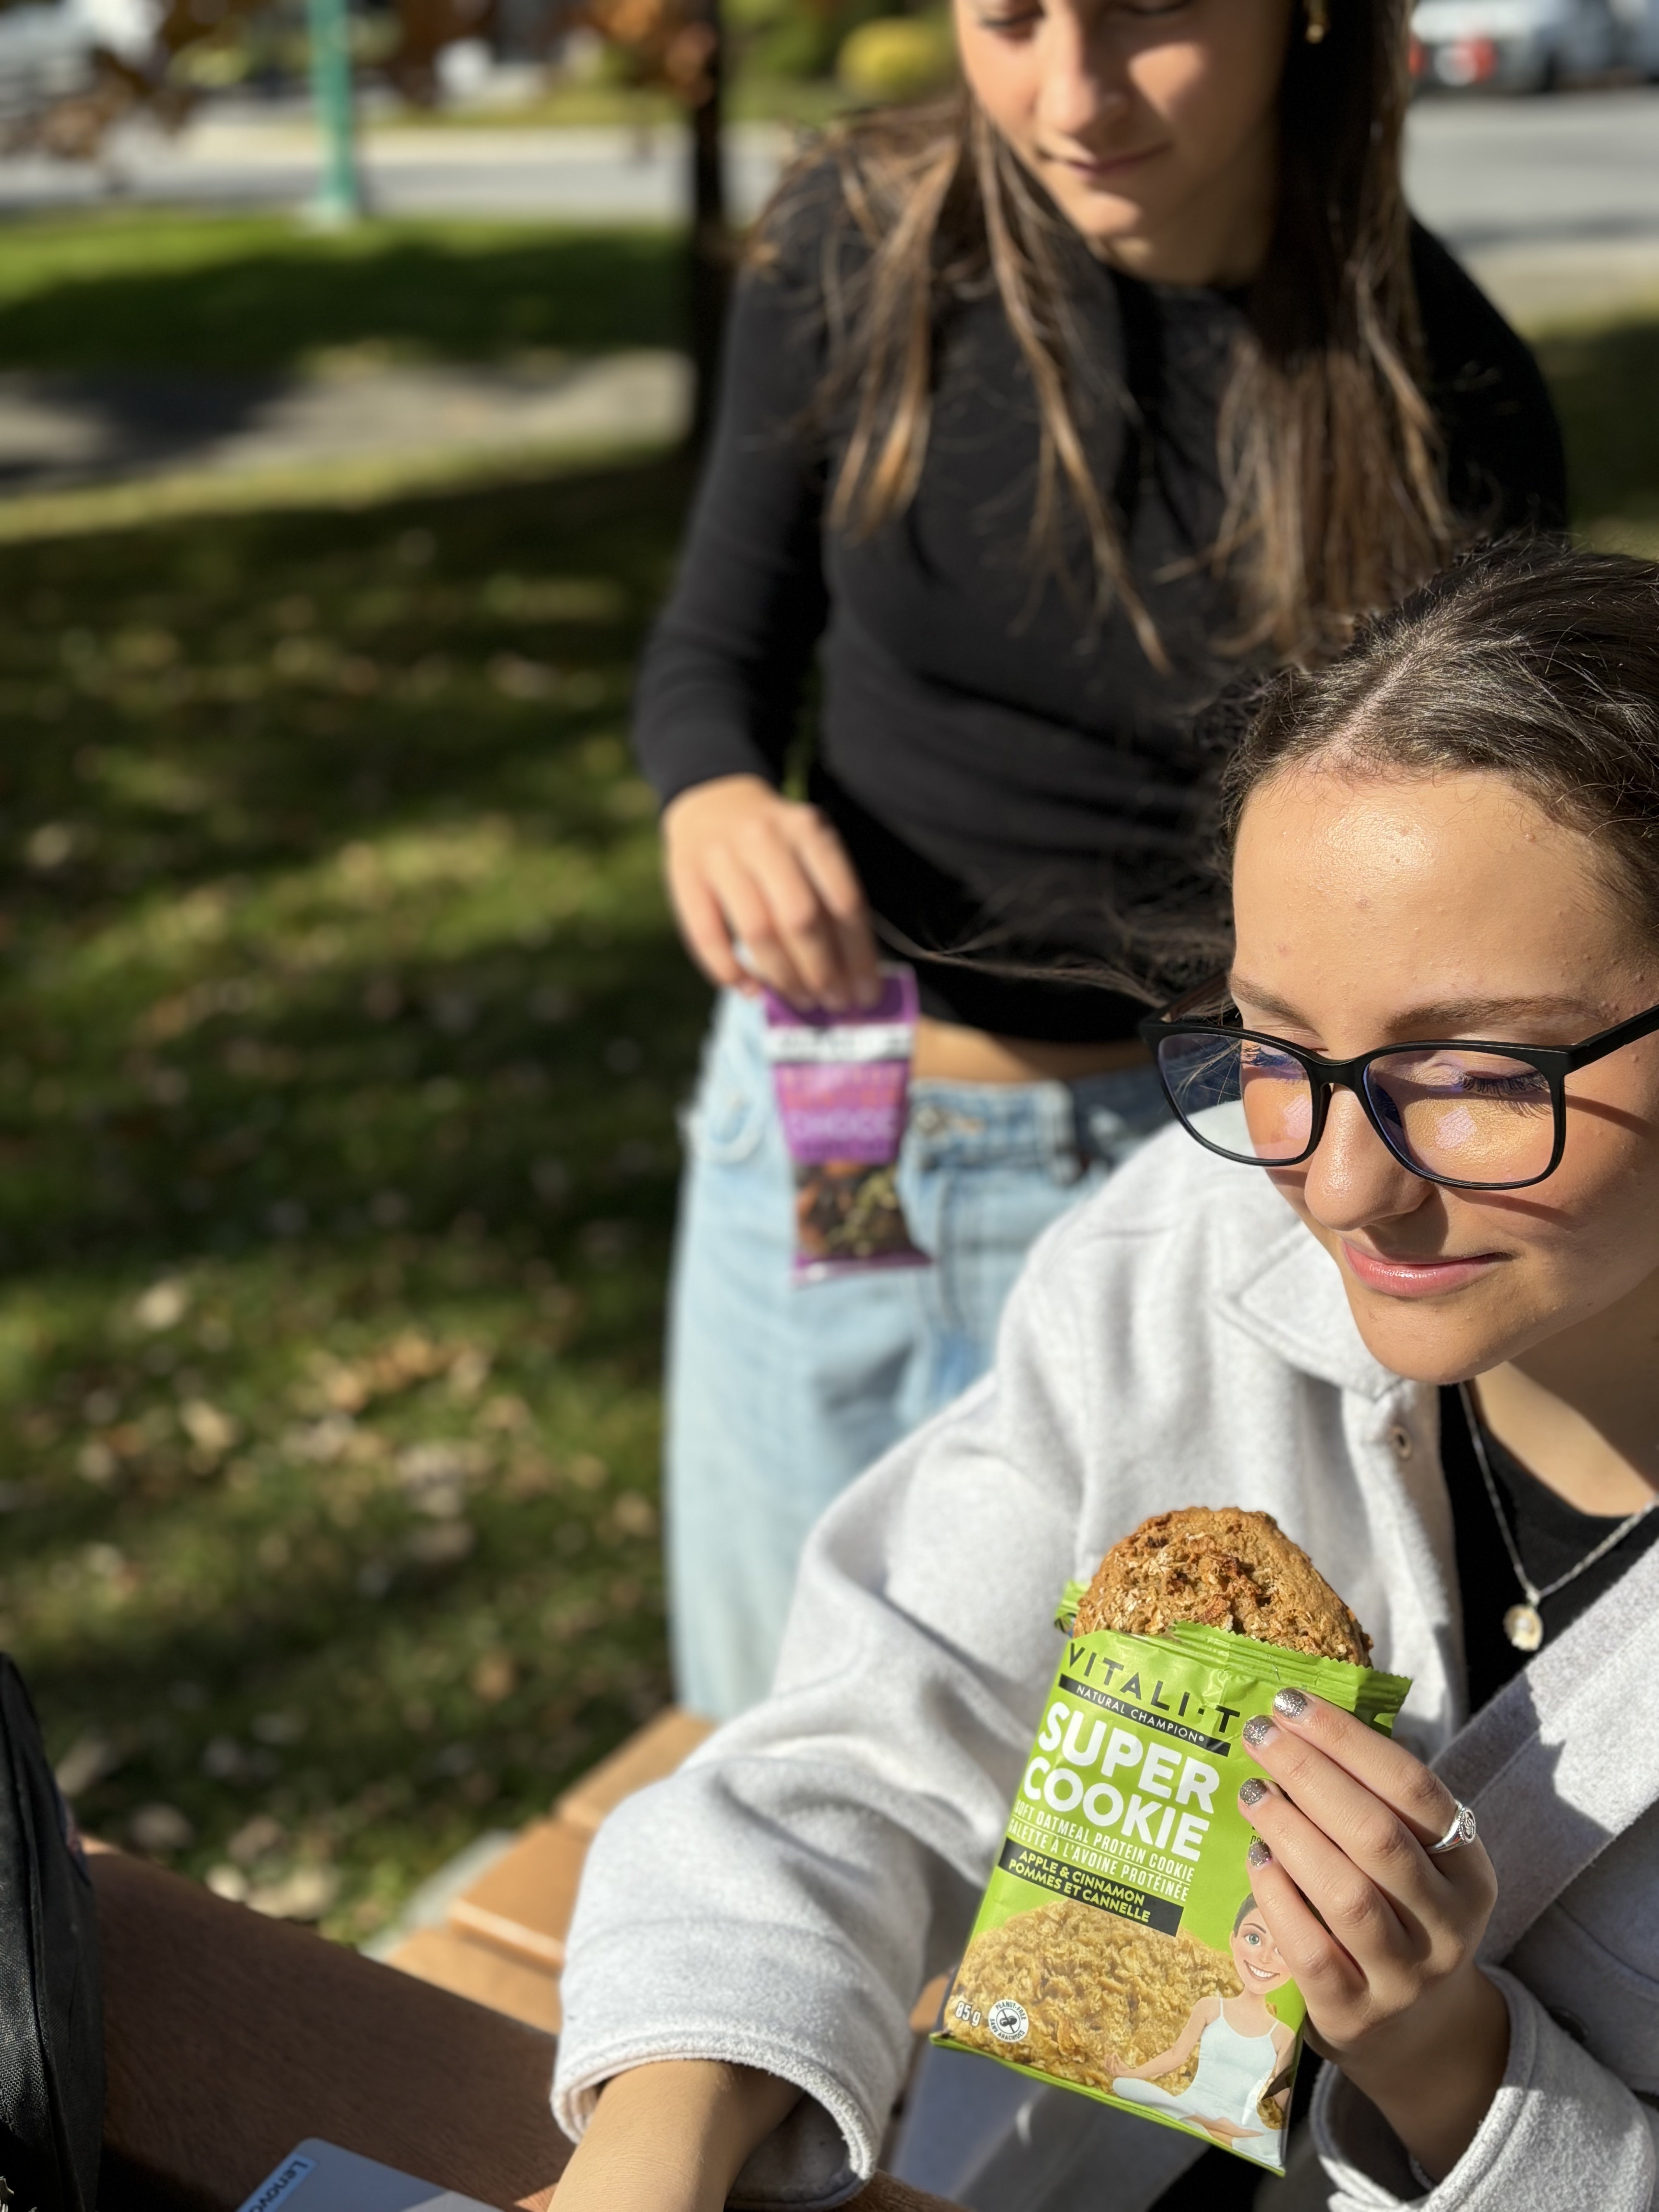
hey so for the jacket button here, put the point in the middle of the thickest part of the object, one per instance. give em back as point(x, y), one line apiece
point(1400, 1442)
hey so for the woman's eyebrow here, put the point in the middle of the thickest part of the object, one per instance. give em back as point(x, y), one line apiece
point(1438, 1018)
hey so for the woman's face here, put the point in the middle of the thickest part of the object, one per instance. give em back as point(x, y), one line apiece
point(1152, 124)
point(1372, 910)
point(1255, 1955)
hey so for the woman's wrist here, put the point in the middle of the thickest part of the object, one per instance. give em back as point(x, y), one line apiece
point(1433, 2073)
point(742, 786)
point(673, 2138)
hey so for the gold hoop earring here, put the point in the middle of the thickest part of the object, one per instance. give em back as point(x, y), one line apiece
point(1319, 21)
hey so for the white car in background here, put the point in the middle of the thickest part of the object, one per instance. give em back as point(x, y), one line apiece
point(1519, 45)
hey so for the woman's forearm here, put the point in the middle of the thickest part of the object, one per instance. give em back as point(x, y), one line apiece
point(673, 2138)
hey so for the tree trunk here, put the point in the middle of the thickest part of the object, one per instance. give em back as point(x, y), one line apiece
point(709, 274)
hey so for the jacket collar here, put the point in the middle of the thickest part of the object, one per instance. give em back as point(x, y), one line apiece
point(1280, 1287)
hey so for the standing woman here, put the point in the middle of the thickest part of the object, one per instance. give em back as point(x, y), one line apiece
point(1044, 411)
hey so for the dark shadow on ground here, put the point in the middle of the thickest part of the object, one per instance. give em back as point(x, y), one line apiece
point(256, 296)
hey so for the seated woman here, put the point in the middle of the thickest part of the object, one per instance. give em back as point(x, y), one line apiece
point(1241, 2049)
point(1423, 1339)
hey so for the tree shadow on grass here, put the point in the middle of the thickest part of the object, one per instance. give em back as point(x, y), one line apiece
point(343, 1031)
point(196, 335)
point(259, 296)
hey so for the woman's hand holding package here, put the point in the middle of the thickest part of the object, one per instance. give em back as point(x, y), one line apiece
point(673, 2138)
point(748, 868)
point(1380, 1935)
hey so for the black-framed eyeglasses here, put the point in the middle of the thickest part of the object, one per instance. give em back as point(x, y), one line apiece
point(1468, 1113)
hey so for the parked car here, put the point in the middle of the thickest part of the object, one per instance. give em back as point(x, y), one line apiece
point(1518, 46)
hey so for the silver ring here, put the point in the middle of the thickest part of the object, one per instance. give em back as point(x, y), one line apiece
point(1460, 1832)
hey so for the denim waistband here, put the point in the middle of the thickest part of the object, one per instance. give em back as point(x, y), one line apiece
point(1050, 1122)
point(1059, 1126)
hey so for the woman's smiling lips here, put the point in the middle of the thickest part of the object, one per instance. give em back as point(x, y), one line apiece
point(1103, 169)
point(1416, 1279)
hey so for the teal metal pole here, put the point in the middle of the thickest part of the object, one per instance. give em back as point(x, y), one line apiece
point(339, 195)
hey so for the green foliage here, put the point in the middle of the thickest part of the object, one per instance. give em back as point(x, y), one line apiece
point(343, 1027)
point(251, 294)
point(897, 57)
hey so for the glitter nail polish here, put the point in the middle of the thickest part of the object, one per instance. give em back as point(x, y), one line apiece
point(1252, 1791)
point(1291, 1704)
point(1258, 1731)
point(1258, 1855)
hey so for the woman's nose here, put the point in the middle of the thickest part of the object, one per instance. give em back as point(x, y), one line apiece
point(1353, 1179)
point(1077, 91)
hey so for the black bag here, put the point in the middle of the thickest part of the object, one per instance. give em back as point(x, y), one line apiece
point(51, 2019)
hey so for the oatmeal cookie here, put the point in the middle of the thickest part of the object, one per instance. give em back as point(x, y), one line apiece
point(1225, 1568)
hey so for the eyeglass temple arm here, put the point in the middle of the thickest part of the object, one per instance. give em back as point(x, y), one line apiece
point(1622, 1033)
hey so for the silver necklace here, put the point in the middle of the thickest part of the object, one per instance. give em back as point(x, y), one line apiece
point(1524, 1624)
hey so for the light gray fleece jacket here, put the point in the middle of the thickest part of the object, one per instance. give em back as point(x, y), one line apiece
point(1178, 1339)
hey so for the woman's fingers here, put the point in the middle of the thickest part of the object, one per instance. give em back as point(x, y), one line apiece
point(760, 944)
point(1331, 1980)
point(1374, 1918)
point(703, 926)
point(1347, 1823)
point(1301, 1725)
point(824, 858)
point(1355, 1829)
point(801, 926)
point(762, 887)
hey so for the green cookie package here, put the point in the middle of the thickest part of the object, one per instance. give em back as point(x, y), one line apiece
point(1117, 1950)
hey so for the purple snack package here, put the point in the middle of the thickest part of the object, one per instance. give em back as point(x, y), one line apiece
point(842, 1082)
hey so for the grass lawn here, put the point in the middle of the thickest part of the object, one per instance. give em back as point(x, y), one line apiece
point(343, 1029)
point(1604, 377)
point(343, 1033)
point(146, 290)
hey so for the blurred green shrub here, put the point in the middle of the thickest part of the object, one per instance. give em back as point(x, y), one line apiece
point(896, 58)
point(794, 40)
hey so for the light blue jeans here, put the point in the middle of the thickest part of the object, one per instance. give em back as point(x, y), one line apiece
point(778, 1396)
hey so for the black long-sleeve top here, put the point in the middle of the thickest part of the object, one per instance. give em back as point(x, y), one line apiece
point(997, 762)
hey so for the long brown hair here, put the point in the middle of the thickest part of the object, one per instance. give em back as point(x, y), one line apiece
point(1328, 450)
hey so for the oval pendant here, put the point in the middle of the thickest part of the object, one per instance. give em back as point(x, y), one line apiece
point(1524, 1626)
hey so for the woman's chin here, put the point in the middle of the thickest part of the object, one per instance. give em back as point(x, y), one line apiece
point(1102, 218)
point(1433, 1340)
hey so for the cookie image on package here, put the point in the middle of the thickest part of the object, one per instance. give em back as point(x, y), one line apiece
point(1223, 1568)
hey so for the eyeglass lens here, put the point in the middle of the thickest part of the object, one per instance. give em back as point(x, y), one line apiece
point(1471, 1116)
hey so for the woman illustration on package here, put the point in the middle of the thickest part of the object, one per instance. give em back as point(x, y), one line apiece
point(1241, 2049)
